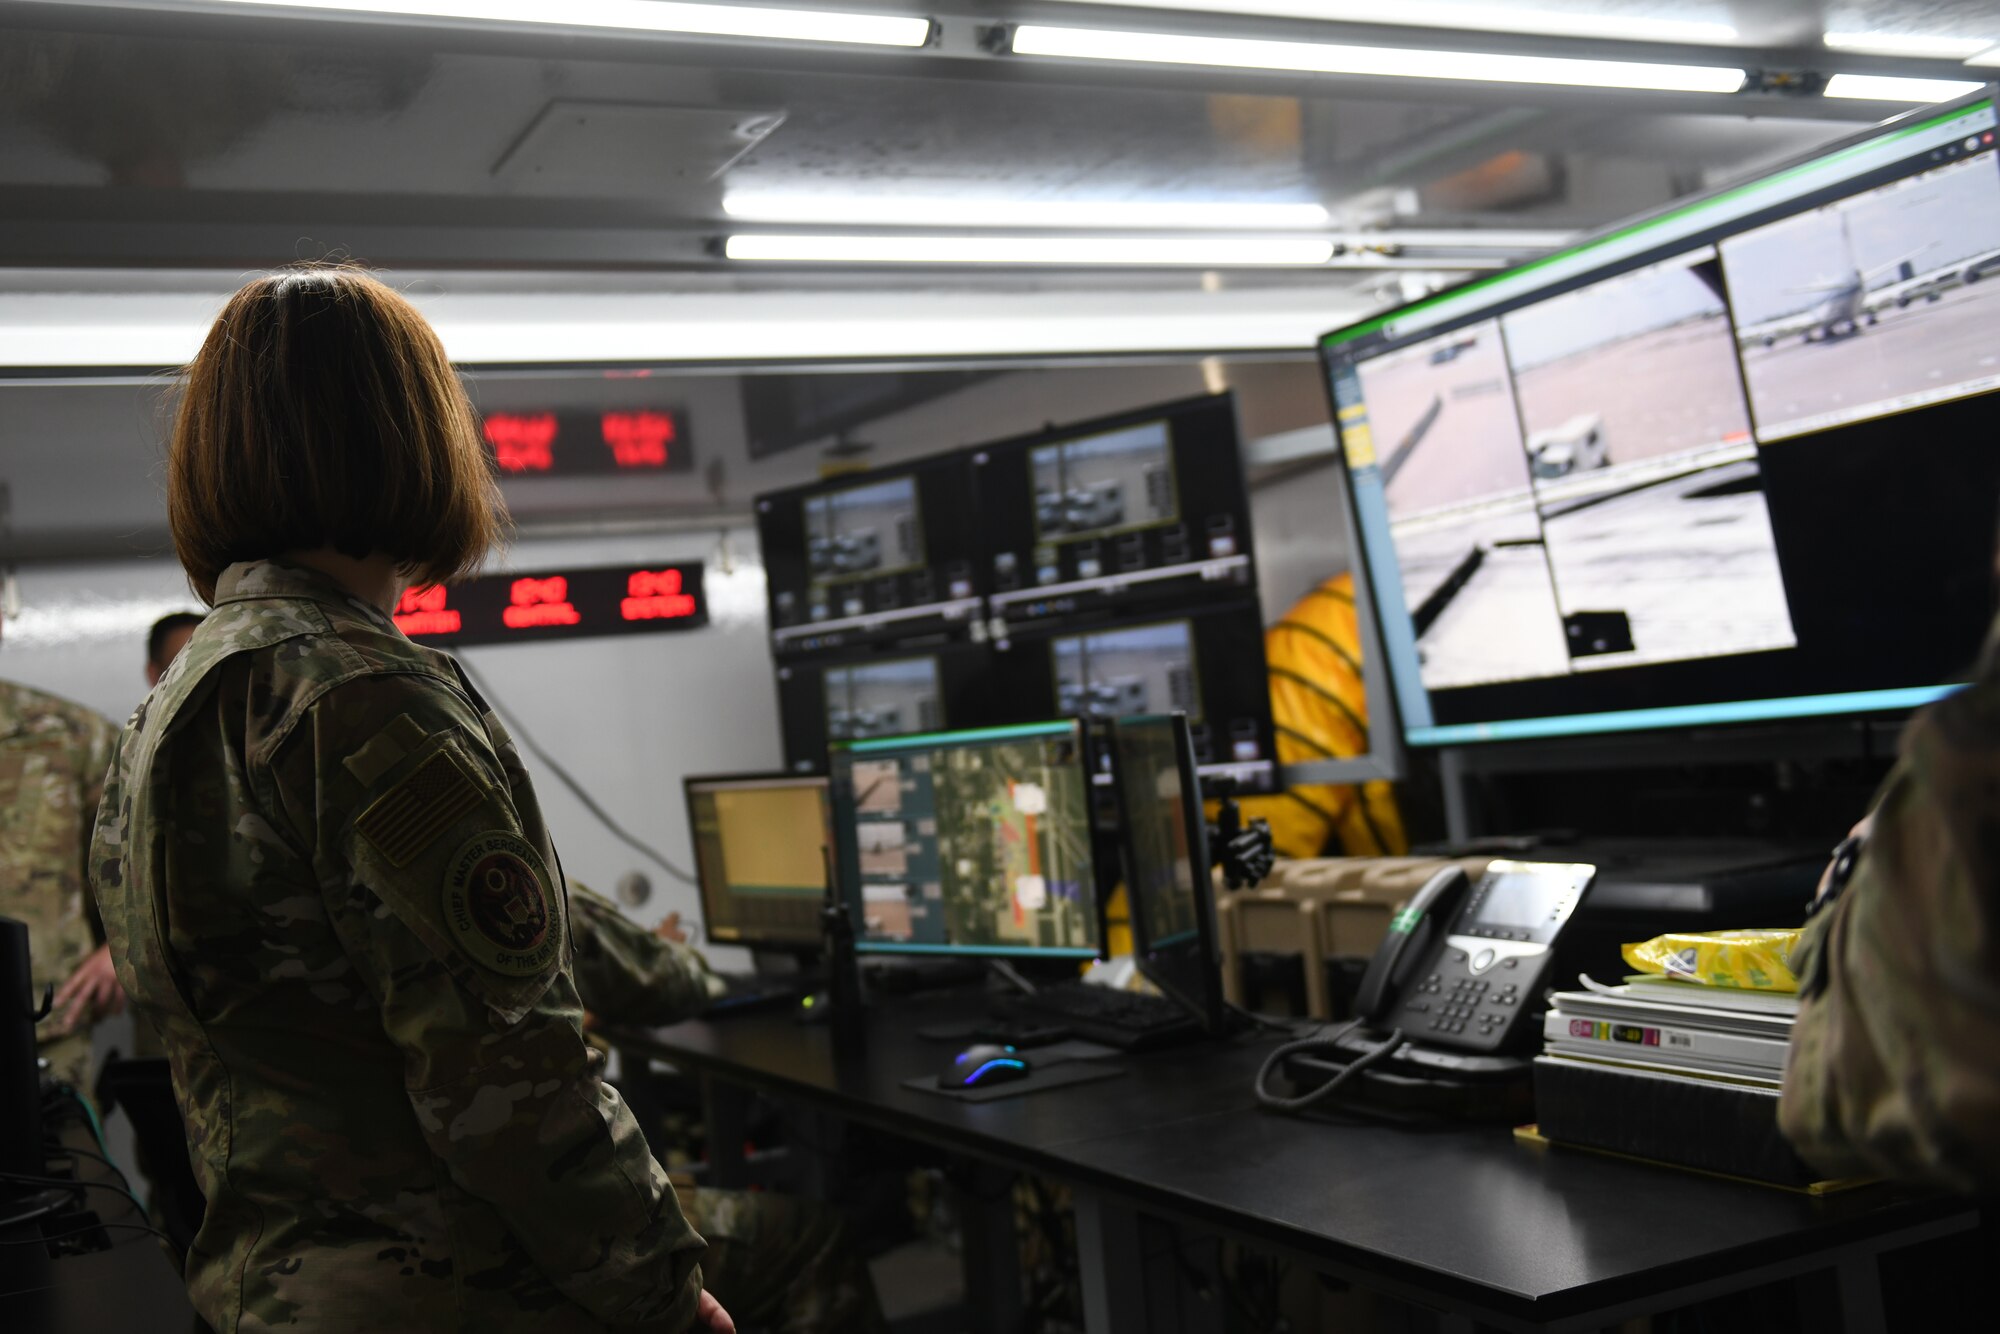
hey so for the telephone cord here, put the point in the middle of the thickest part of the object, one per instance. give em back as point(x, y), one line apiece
point(1328, 1043)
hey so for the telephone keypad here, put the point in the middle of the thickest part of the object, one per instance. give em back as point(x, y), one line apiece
point(1476, 1009)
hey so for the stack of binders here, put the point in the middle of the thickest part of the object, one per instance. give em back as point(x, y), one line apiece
point(1678, 1029)
point(1673, 1071)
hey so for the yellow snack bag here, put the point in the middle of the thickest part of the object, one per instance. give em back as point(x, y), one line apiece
point(1750, 960)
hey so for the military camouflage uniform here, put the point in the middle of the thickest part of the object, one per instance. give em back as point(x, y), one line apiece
point(774, 1262)
point(328, 885)
point(53, 756)
point(1893, 1068)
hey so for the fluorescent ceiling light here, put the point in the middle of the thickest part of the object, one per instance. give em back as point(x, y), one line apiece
point(1986, 58)
point(1907, 44)
point(1477, 18)
point(798, 25)
point(887, 210)
point(1393, 62)
point(1203, 252)
point(1889, 88)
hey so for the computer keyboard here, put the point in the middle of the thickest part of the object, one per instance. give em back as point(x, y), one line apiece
point(741, 992)
point(1130, 1020)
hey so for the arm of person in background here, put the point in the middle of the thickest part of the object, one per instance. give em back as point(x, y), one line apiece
point(450, 912)
point(92, 991)
point(1891, 1070)
point(628, 975)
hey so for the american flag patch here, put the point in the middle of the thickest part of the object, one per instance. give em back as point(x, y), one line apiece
point(410, 816)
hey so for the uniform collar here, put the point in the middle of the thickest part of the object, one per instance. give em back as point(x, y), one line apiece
point(251, 580)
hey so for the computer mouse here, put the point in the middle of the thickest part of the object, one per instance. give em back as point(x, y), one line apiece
point(987, 1063)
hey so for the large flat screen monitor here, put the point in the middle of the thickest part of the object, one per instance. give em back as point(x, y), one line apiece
point(976, 842)
point(1146, 508)
point(760, 853)
point(1167, 867)
point(1734, 461)
point(883, 557)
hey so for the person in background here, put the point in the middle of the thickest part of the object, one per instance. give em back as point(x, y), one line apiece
point(1893, 1069)
point(165, 641)
point(1313, 656)
point(778, 1263)
point(329, 887)
point(53, 756)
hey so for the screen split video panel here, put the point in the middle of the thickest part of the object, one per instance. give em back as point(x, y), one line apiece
point(879, 558)
point(1714, 465)
point(1875, 303)
point(974, 842)
point(823, 701)
point(1108, 515)
point(1207, 664)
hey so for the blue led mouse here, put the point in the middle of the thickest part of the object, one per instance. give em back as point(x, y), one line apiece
point(976, 1067)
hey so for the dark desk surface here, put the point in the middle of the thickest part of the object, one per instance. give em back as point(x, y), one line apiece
point(1459, 1215)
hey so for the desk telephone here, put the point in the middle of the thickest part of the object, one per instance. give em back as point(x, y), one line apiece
point(1459, 977)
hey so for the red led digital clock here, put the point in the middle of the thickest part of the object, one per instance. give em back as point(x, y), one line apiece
point(571, 442)
point(556, 604)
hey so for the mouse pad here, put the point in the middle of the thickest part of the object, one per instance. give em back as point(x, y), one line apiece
point(1048, 1077)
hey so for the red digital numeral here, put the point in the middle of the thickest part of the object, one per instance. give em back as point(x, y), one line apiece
point(655, 595)
point(522, 441)
point(538, 602)
point(421, 611)
point(639, 439)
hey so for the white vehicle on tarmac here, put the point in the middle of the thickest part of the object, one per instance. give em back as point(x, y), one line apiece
point(1576, 446)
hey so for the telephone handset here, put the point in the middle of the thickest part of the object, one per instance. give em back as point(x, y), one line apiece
point(1458, 977)
point(1411, 933)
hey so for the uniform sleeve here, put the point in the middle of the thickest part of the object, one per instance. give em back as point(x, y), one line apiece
point(1891, 1070)
point(626, 974)
point(455, 920)
point(97, 751)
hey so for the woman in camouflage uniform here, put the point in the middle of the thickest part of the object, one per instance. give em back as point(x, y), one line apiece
point(327, 883)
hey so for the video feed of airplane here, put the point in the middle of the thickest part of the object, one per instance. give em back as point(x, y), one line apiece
point(1462, 510)
point(1104, 483)
point(879, 699)
point(1118, 673)
point(864, 531)
point(1876, 303)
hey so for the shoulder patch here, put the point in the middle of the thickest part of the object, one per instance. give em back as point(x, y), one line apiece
point(499, 906)
point(412, 815)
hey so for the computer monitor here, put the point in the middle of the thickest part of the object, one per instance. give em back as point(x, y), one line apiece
point(976, 842)
point(1207, 664)
point(1732, 461)
point(824, 700)
point(876, 559)
point(760, 853)
point(1147, 508)
point(1168, 880)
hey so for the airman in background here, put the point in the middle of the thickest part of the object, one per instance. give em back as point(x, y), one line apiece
point(53, 755)
point(776, 1262)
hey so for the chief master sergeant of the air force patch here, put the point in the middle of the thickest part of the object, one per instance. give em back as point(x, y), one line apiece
point(499, 905)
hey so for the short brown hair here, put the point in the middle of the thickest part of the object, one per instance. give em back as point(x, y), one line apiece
point(321, 412)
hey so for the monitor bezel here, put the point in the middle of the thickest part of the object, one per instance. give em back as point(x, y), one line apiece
point(1209, 1007)
point(770, 778)
point(847, 858)
point(1557, 728)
